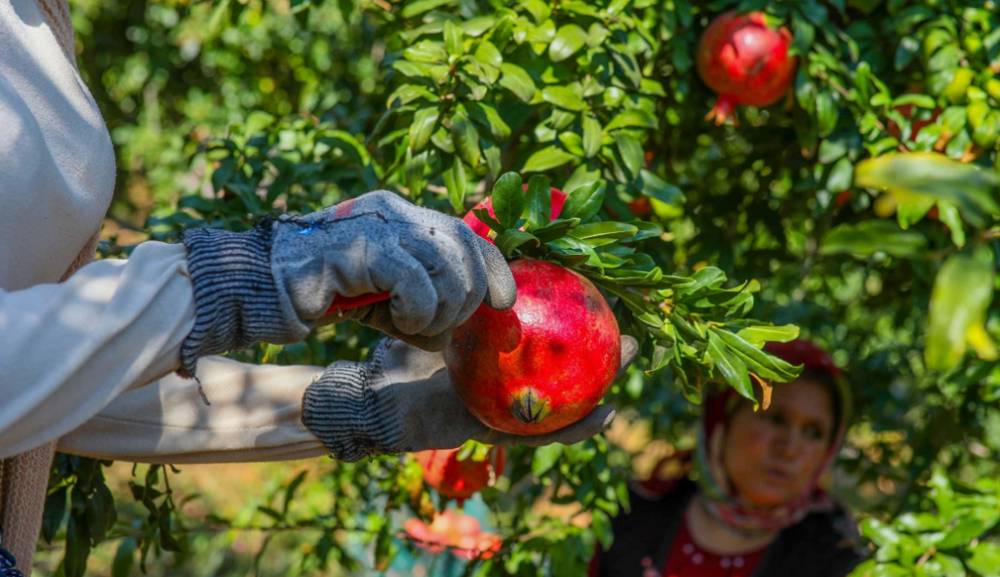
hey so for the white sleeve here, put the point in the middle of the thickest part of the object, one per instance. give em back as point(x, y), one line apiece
point(241, 412)
point(68, 349)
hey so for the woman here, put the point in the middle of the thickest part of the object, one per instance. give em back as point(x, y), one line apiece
point(97, 357)
point(756, 507)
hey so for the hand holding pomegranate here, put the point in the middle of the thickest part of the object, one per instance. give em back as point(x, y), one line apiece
point(402, 400)
point(273, 283)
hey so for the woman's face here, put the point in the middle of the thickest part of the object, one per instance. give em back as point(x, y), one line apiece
point(771, 456)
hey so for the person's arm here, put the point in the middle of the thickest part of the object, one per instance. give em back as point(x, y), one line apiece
point(68, 349)
point(401, 400)
point(240, 413)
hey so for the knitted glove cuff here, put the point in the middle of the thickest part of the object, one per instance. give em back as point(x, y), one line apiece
point(349, 416)
point(236, 302)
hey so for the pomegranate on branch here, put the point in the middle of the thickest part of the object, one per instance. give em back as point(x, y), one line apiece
point(458, 478)
point(745, 61)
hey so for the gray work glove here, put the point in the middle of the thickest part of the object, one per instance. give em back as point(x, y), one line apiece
point(276, 281)
point(402, 400)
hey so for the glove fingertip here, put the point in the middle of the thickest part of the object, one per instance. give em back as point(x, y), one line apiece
point(501, 290)
point(629, 348)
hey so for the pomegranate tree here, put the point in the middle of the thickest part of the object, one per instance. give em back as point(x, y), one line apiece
point(745, 61)
point(543, 364)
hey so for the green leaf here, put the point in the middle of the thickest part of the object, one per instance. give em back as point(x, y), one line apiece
point(519, 82)
point(840, 176)
point(572, 142)
point(568, 40)
point(564, 97)
point(485, 216)
point(508, 199)
point(879, 533)
point(919, 100)
point(926, 174)
point(465, 137)
point(631, 151)
point(944, 566)
point(539, 9)
point(831, 150)
point(488, 54)
point(257, 121)
point(592, 136)
point(454, 181)
point(871, 236)
point(731, 367)
point(584, 201)
point(627, 68)
point(539, 202)
point(407, 93)
point(77, 548)
point(555, 229)
point(655, 187)
point(545, 458)
point(759, 362)
point(826, 113)
point(426, 51)
point(101, 513)
point(411, 9)
point(761, 334)
point(632, 118)
point(422, 127)
point(912, 210)
point(512, 239)
point(950, 217)
point(487, 116)
point(547, 158)
point(964, 532)
point(493, 160)
point(55, 514)
point(475, 27)
point(961, 295)
point(411, 69)
point(605, 229)
point(453, 38)
point(985, 558)
point(124, 558)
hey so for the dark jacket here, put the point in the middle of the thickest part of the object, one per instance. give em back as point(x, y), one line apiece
point(820, 545)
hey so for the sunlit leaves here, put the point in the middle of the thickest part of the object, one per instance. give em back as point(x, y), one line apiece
point(546, 159)
point(970, 188)
point(564, 97)
point(962, 292)
point(568, 40)
point(515, 79)
point(872, 236)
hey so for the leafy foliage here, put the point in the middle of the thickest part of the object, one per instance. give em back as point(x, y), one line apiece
point(863, 209)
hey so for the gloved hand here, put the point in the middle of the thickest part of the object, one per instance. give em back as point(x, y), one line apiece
point(402, 400)
point(276, 281)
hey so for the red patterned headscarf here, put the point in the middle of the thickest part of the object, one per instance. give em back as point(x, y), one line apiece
point(720, 405)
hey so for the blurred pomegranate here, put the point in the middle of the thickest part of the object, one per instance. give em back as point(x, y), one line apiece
point(459, 479)
point(745, 61)
point(456, 532)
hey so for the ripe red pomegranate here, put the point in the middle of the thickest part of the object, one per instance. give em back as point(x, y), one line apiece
point(459, 479)
point(545, 363)
point(556, 202)
point(745, 62)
